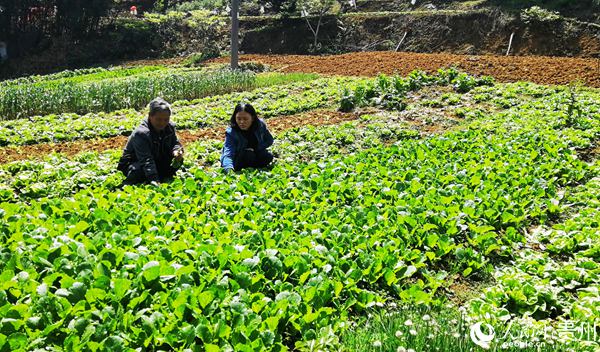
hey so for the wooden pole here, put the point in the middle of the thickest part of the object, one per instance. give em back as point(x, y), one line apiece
point(235, 33)
point(401, 40)
point(510, 43)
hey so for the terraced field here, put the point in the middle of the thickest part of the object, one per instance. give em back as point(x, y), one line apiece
point(401, 213)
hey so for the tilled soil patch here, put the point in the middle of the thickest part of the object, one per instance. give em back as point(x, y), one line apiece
point(276, 125)
point(538, 69)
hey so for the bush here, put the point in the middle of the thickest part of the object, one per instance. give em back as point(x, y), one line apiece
point(200, 5)
point(538, 14)
point(254, 66)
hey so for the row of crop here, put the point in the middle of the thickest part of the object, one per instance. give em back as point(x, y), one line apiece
point(117, 93)
point(270, 101)
point(260, 260)
point(82, 76)
point(555, 281)
point(90, 72)
point(383, 91)
point(59, 176)
point(390, 92)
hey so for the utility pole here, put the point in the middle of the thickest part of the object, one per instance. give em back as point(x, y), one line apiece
point(235, 33)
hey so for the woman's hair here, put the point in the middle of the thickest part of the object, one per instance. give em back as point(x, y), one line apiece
point(247, 108)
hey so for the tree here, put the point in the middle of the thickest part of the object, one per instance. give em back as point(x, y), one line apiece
point(315, 10)
point(24, 24)
point(80, 17)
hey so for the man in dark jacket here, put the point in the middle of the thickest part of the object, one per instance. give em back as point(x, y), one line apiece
point(153, 153)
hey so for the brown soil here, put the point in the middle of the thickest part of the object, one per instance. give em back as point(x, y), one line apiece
point(276, 125)
point(463, 289)
point(538, 69)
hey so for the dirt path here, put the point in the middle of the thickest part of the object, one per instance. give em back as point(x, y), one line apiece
point(276, 125)
point(538, 69)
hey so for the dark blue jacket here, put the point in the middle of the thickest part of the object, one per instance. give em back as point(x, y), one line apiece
point(235, 143)
point(152, 149)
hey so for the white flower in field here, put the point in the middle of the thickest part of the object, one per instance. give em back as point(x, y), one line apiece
point(239, 247)
point(430, 336)
point(410, 350)
point(321, 249)
point(22, 276)
point(399, 333)
point(376, 343)
point(454, 322)
point(413, 332)
point(456, 335)
point(426, 317)
point(408, 322)
point(401, 349)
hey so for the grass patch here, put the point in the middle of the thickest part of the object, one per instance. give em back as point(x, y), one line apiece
point(442, 328)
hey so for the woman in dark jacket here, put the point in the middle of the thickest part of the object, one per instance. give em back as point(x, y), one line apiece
point(246, 141)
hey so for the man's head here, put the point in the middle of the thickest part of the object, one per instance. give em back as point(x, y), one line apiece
point(159, 114)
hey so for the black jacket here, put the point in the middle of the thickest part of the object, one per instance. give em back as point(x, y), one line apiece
point(152, 149)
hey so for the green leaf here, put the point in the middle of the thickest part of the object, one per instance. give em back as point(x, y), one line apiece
point(310, 317)
point(338, 286)
point(17, 341)
point(390, 277)
point(272, 323)
point(432, 240)
point(121, 286)
point(428, 227)
point(78, 228)
point(205, 298)
point(407, 271)
point(151, 271)
point(190, 184)
point(94, 294)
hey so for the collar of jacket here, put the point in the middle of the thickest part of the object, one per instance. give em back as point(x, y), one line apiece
point(169, 130)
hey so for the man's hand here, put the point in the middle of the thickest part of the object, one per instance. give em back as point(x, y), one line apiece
point(178, 154)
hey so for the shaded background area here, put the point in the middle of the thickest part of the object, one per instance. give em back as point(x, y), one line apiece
point(44, 36)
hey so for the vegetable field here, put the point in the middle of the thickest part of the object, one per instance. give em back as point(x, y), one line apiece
point(360, 237)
